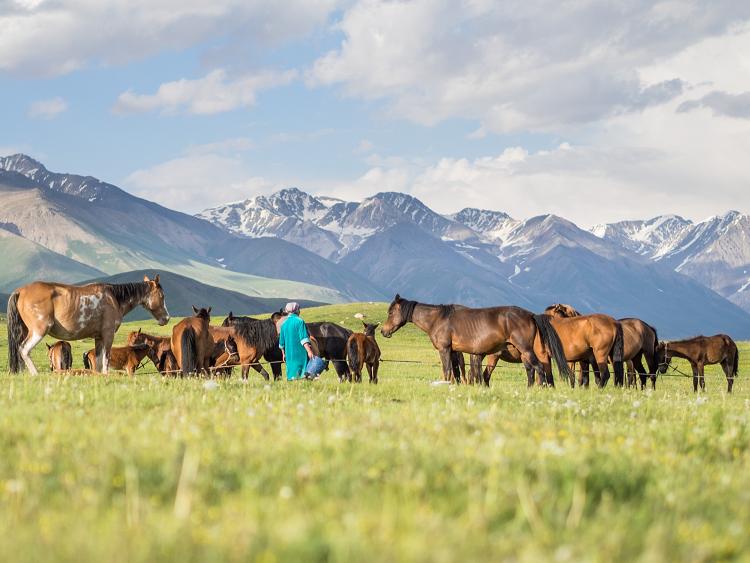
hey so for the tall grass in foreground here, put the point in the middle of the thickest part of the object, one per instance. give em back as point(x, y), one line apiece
point(143, 468)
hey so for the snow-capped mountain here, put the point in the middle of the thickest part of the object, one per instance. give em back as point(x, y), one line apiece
point(327, 226)
point(715, 252)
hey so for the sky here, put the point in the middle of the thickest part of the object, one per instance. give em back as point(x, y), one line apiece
point(593, 110)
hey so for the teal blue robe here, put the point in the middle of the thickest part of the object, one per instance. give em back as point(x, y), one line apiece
point(292, 338)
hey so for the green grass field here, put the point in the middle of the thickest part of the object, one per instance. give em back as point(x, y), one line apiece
point(96, 468)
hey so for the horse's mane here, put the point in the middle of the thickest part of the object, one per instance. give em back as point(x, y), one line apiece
point(259, 333)
point(128, 292)
point(407, 309)
point(445, 310)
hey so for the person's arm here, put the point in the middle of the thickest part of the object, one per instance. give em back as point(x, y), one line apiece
point(281, 345)
point(304, 339)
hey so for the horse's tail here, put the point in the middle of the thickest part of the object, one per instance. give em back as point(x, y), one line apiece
point(551, 341)
point(733, 350)
point(17, 332)
point(86, 362)
point(66, 361)
point(189, 351)
point(618, 351)
point(352, 354)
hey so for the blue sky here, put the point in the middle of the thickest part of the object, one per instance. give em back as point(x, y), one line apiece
point(593, 112)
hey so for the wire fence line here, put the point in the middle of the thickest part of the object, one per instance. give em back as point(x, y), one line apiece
point(502, 367)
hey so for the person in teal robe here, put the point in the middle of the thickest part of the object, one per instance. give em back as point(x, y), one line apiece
point(294, 342)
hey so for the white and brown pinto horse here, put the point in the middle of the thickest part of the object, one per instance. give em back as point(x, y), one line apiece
point(71, 312)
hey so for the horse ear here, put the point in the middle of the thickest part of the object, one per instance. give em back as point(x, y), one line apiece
point(156, 279)
point(364, 323)
point(208, 310)
point(139, 330)
point(145, 278)
point(230, 316)
point(195, 310)
point(397, 298)
point(48, 346)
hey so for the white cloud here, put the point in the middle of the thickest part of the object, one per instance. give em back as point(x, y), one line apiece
point(203, 177)
point(214, 93)
point(53, 38)
point(47, 109)
point(540, 65)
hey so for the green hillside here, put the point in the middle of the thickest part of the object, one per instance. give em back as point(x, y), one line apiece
point(25, 261)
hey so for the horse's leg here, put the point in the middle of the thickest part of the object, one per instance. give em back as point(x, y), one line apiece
point(727, 367)
point(702, 379)
point(32, 339)
point(637, 363)
point(489, 368)
point(259, 368)
point(603, 364)
point(583, 380)
point(445, 360)
point(695, 377)
point(369, 371)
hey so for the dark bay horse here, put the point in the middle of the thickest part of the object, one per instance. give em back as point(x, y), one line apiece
point(192, 344)
point(264, 337)
point(700, 352)
point(640, 342)
point(362, 349)
point(71, 312)
point(60, 356)
point(127, 358)
point(479, 332)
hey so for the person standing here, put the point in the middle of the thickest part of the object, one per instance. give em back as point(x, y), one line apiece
point(294, 342)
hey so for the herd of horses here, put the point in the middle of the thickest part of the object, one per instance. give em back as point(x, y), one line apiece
point(488, 335)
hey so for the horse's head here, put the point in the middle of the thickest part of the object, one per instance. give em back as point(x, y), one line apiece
point(370, 328)
point(229, 321)
point(51, 357)
point(202, 313)
point(399, 313)
point(278, 319)
point(154, 301)
point(663, 359)
point(135, 337)
point(230, 347)
point(561, 310)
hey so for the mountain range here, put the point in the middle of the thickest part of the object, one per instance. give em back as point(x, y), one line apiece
point(671, 272)
point(676, 273)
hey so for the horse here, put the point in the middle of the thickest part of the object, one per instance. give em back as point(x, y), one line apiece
point(479, 332)
point(701, 351)
point(248, 354)
point(640, 341)
point(598, 337)
point(60, 356)
point(266, 338)
point(192, 344)
point(331, 340)
point(362, 349)
point(126, 358)
point(71, 312)
point(225, 354)
point(156, 344)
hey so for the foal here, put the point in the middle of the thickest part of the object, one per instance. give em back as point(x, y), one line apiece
point(126, 358)
point(60, 356)
point(702, 351)
point(363, 349)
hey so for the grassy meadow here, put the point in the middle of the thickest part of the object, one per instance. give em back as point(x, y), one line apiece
point(96, 468)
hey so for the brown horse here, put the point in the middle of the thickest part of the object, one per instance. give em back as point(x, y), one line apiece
point(156, 344)
point(126, 358)
point(700, 352)
point(60, 356)
point(71, 312)
point(511, 355)
point(246, 354)
point(362, 349)
point(479, 331)
point(192, 344)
